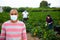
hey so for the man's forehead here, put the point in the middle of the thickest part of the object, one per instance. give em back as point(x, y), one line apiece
point(13, 11)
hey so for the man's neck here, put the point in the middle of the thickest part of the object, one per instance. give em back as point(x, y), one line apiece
point(14, 21)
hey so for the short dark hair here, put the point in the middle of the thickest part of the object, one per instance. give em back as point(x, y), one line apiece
point(48, 15)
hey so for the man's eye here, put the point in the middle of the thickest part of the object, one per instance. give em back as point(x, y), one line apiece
point(12, 14)
point(15, 14)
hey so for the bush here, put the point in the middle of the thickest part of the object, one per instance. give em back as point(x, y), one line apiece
point(7, 9)
point(21, 9)
point(36, 23)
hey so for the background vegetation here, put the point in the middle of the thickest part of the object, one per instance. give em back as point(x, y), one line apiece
point(36, 22)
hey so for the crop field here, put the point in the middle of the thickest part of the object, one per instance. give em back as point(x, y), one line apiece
point(36, 23)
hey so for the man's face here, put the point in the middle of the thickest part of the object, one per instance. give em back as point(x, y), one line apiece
point(48, 17)
point(13, 15)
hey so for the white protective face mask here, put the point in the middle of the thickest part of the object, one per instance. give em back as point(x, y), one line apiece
point(13, 17)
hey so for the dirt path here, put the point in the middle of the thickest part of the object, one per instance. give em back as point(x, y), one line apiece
point(29, 37)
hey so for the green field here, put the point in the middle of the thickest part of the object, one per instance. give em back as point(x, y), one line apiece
point(36, 22)
point(34, 16)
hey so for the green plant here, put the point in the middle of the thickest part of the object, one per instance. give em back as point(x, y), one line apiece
point(36, 23)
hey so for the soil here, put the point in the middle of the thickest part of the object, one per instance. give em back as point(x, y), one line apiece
point(29, 37)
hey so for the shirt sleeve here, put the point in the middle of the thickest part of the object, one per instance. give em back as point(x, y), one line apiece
point(22, 13)
point(24, 35)
point(3, 32)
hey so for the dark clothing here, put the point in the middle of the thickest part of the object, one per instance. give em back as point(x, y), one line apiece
point(50, 26)
point(25, 19)
point(49, 20)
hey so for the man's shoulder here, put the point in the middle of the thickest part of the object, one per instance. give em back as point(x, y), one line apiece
point(21, 22)
point(6, 22)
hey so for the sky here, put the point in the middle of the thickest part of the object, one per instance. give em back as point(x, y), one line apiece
point(27, 3)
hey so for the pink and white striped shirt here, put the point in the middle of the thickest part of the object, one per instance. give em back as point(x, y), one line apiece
point(13, 31)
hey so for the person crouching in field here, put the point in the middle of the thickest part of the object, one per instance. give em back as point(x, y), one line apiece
point(13, 29)
point(25, 15)
point(49, 21)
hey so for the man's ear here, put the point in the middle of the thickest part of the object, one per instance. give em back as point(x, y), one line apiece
point(9, 13)
point(17, 15)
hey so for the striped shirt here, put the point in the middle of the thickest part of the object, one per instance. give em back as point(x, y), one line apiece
point(13, 31)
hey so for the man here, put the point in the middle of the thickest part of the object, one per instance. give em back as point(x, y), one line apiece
point(49, 21)
point(13, 29)
point(25, 15)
